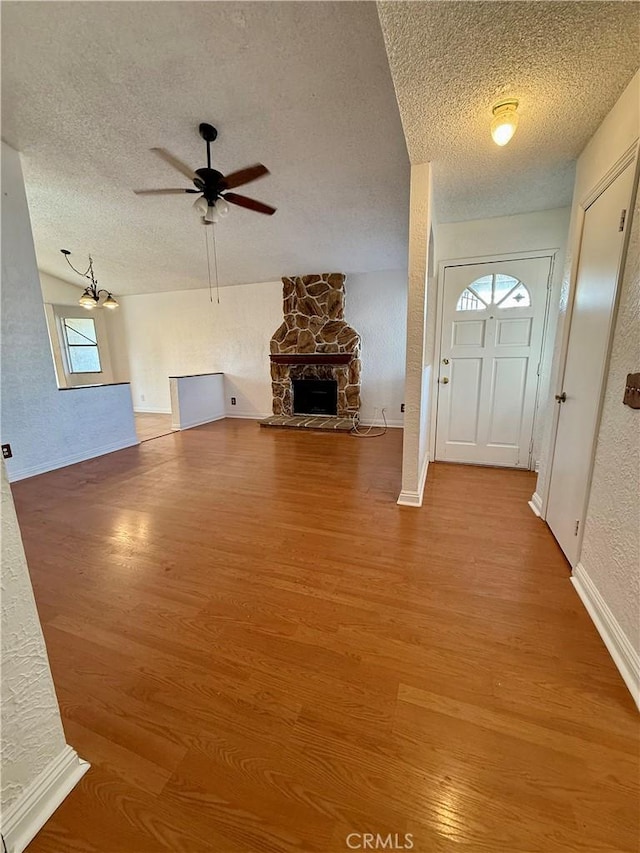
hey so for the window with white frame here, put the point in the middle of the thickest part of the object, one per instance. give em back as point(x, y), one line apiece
point(499, 291)
point(81, 344)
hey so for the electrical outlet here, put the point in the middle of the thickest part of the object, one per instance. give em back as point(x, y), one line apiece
point(402, 407)
point(233, 401)
point(142, 398)
point(6, 451)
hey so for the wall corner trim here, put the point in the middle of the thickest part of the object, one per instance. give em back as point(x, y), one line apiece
point(26, 817)
point(609, 177)
point(625, 657)
point(536, 504)
point(414, 498)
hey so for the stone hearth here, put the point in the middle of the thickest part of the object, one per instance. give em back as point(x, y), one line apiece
point(315, 342)
point(343, 425)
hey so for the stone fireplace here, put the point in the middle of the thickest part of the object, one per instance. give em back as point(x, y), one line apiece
point(315, 343)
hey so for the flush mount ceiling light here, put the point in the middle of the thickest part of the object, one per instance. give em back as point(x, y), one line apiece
point(91, 296)
point(505, 121)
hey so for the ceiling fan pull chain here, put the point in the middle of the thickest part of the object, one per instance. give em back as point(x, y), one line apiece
point(215, 260)
point(206, 242)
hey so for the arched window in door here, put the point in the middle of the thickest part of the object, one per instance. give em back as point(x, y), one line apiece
point(499, 291)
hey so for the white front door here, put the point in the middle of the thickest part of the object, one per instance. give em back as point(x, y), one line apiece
point(591, 323)
point(492, 325)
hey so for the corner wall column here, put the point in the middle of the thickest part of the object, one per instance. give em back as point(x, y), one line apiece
point(417, 377)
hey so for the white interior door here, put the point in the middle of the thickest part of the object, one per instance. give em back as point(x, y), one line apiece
point(591, 323)
point(492, 325)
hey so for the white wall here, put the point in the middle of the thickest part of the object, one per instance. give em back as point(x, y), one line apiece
point(38, 769)
point(32, 734)
point(611, 545)
point(58, 292)
point(182, 332)
point(376, 306)
point(614, 136)
point(608, 573)
point(524, 232)
point(46, 427)
point(196, 400)
point(527, 232)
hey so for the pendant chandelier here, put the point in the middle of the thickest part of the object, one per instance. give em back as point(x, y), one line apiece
point(91, 298)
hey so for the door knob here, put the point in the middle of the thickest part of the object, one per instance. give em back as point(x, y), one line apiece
point(561, 398)
point(445, 361)
point(445, 380)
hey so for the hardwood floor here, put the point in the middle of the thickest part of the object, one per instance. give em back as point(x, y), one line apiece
point(152, 425)
point(258, 651)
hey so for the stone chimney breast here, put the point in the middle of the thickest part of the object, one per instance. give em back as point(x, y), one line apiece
point(315, 342)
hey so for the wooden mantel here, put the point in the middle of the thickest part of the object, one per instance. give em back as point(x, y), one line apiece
point(311, 358)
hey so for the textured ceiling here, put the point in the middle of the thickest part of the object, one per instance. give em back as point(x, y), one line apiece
point(566, 63)
point(305, 88)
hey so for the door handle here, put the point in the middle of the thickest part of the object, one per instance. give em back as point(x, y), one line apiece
point(445, 380)
point(561, 398)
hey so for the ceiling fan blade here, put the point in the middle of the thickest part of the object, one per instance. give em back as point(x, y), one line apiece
point(163, 192)
point(250, 203)
point(244, 176)
point(177, 164)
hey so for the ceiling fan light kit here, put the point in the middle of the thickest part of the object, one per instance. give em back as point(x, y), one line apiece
point(210, 213)
point(200, 205)
point(91, 296)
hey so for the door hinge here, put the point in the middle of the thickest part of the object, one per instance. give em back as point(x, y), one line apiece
point(623, 216)
point(575, 532)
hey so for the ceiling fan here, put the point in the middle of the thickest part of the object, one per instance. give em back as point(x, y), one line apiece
point(212, 187)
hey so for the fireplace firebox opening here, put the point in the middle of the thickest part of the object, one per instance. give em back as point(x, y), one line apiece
point(315, 396)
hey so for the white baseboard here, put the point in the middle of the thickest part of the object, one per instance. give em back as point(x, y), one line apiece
point(251, 416)
point(32, 470)
point(407, 498)
point(23, 819)
point(536, 504)
point(625, 657)
point(150, 411)
point(199, 423)
point(410, 498)
point(378, 422)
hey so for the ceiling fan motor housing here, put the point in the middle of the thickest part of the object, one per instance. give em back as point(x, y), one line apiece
point(210, 182)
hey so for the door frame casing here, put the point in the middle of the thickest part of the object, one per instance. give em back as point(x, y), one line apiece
point(628, 158)
point(473, 261)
